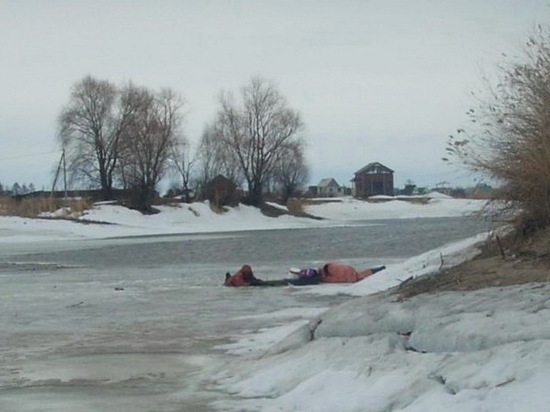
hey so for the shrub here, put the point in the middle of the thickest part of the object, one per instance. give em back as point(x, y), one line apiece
point(511, 143)
point(295, 206)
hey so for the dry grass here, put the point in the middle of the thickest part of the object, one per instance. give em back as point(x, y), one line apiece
point(421, 200)
point(215, 208)
point(416, 200)
point(295, 206)
point(318, 201)
point(33, 207)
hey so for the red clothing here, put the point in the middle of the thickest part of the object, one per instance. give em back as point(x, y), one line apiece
point(338, 273)
point(243, 277)
point(235, 280)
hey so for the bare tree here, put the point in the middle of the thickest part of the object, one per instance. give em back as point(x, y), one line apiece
point(90, 126)
point(207, 154)
point(255, 130)
point(148, 140)
point(215, 158)
point(291, 172)
point(183, 162)
point(512, 140)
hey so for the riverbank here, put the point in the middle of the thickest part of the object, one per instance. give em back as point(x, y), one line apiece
point(502, 262)
point(474, 336)
point(106, 220)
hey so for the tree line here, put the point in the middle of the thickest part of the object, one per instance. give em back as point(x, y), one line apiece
point(16, 189)
point(131, 137)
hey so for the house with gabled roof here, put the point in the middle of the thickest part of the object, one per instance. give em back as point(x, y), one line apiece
point(371, 180)
point(329, 187)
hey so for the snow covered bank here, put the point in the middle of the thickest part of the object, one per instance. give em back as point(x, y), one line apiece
point(484, 350)
point(199, 218)
point(107, 221)
point(428, 263)
point(348, 208)
point(478, 351)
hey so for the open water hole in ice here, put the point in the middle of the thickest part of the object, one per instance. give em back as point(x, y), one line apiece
point(72, 341)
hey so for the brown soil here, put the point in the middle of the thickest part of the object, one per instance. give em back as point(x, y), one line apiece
point(503, 262)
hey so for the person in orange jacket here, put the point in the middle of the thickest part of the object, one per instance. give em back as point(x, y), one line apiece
point(340, 273)
point(244, 277)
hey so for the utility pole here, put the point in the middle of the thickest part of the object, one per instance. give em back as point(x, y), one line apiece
point(61, 163)
point(64, 173)
point(56, 174)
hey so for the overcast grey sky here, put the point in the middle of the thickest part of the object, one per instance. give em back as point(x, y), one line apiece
point(375, 80)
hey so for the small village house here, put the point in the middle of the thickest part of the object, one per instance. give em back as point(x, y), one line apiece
point(329, 187)
point(373, 179)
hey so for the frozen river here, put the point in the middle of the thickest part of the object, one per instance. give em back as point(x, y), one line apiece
point(137, 323)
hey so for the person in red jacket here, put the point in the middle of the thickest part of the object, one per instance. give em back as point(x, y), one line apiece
point(339, 273)
point(244, 277)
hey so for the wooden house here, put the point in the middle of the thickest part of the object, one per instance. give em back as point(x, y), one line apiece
point(373, 179)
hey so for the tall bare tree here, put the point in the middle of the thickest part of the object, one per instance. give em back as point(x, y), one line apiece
point(291, 172)
point(511, 143)
point(148, 139)
point(183, 163)
point(215, 158)
point(90, 126)
point(256, 129)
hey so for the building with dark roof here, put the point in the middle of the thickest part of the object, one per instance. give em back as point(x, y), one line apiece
point(371, 180)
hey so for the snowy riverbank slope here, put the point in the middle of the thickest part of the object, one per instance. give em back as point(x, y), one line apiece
point(486, 350)
point(483, 350)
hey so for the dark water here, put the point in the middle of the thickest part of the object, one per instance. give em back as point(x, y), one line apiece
point(372, 240)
